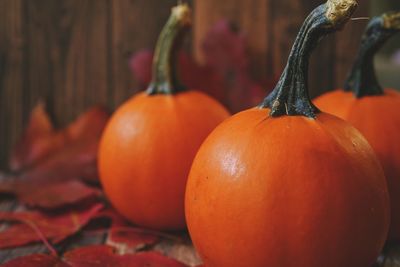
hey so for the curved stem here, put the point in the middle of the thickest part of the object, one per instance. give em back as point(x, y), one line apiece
point(165, 78)
point(362, 79)
point(290, 96)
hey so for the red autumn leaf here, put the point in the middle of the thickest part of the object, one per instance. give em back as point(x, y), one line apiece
point(203, 77)
point(50, 157)
point(182, 250)
point(34, 226)
point(36, 260)
point(73, 162)
point(56, 196)
point(95, 256)
point(125, 237)
point(113, 216)
point(225, 73)
point(140, 65)
point(34, 143)
point(102, 255)
point(49, 184)
point(130, 239)
point(224, 51)
point(41, 142)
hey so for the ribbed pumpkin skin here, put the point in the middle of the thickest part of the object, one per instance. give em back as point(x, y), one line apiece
point(146, 153)
point(286, 192)
point(378, 119)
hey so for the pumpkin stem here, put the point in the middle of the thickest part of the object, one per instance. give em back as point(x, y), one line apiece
point(290, 96)
point(165, 74)
point(362, 79)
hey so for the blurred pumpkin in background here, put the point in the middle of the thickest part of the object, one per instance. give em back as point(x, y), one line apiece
point(149, 144)
point(371, 109)
point(284, 185)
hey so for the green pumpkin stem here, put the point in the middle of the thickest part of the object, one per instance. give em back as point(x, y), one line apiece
point(165, 78)
point(290, 96)
point(362, 79)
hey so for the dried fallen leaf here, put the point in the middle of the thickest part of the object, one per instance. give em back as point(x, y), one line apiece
point(51, 159)
point(125, 237)
point(95, 256)
point(112, 215)
point(141, 64)
point(182, 250)
point(75, 161)
point(56, 196)
point(50, 185)
point(34, 143)
point(35, 226)
point(36, 260)
point(103, 255)
point(224, 50)
point(40, 141)
point(130, 239)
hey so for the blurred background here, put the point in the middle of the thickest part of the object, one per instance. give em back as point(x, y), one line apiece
point(72, 54)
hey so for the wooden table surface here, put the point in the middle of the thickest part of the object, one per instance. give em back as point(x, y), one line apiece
point(183, 251)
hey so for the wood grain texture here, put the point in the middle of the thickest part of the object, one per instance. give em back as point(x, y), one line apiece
point(135, 25)
point(250, 16)
point(12, 73)
point(322, 76)
point(272, 27)
point(347, 44)
point(87, 77)
point(67, 55)
point(75, 53)
point(72, 54)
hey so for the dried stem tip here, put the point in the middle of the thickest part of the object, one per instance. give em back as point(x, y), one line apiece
point(165, 78)
point(183, 14)
point(339, 11)
point(391, 20)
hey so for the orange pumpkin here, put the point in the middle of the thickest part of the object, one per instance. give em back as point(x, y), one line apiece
point(295, 188)
point(373, 110)
point(148, 146)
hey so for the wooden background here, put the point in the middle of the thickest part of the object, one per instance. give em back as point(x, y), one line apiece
point(74, 53)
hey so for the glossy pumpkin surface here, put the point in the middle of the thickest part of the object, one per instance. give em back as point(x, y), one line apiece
point(147, 150)
point(378, 119)
point(286, 185)
point(371, 109)
point(149, 144)
point(287, 191)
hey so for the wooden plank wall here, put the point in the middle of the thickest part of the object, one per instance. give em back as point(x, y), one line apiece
point(271, 27)
point(74, 53)
point(70, 53)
